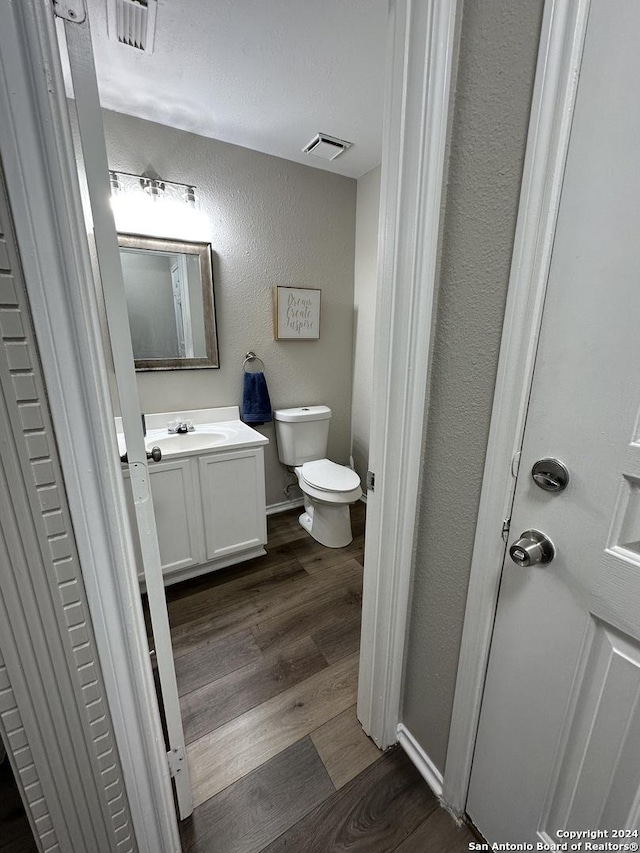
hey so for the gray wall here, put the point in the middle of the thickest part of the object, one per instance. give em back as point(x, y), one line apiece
point(498, 50)
point(270, 222)
point(366, 270)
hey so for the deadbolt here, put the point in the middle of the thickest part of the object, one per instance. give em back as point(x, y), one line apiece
point(552, 475)
point(532, 549)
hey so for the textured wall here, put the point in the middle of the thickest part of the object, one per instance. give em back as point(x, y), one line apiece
point(270, 221)
point(366, 270)
point(498, 49)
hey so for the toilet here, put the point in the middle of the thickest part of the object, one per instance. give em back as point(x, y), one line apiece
point(328, 489)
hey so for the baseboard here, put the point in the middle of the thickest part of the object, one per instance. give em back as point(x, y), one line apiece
point(283, 506)
point(178, 575)
point(363, 498)
point(425, 766)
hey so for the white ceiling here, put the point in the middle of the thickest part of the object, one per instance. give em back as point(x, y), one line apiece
point(264, 74)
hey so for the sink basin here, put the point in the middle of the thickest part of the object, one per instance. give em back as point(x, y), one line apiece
point(224, 431)
point(182, 442)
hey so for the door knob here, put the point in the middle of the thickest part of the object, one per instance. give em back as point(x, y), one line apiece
point(532, 549)
point(154, 454)
point(552, 475)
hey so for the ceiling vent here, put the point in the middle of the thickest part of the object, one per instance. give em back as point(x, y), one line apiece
point(326, 147)
point(133, 22)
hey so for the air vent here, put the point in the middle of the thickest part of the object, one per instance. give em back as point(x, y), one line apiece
point(326, 147)
point(133, 23)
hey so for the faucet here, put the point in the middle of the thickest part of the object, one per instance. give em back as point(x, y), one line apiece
point(180, 426)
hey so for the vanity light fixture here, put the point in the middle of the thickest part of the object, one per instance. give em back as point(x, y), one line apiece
point(153, 187)
point(148, 204)
point(124, 183)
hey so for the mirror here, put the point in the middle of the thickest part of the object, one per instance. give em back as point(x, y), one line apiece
point(169, 291)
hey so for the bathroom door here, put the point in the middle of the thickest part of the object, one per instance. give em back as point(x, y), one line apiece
point(96, 168)
point(558, 745)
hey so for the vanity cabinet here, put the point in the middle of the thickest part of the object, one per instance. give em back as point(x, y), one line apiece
point(210, 510)
point(176, 509)
point(233, 502)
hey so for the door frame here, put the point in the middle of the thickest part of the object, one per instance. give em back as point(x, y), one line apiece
point(559, 58)
point(43, 187)
point(45, 193)
point(422, 42)
point(93, 152)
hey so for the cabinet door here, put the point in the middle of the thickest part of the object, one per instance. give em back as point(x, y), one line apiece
point(233, 502)
point(176, 510)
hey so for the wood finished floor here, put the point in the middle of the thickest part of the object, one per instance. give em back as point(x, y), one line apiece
point(267, 659)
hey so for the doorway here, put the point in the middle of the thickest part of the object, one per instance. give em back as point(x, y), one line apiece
point(218, 758)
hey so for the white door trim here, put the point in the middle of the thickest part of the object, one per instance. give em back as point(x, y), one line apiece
point(420, 52)
point(96, 170)
point(560, 52)
point(42, 181)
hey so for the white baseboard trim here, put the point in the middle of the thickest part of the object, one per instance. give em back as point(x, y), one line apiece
point(424, 765)
point(283, 506)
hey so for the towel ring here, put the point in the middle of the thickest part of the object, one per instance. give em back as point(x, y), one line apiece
point(251, 356)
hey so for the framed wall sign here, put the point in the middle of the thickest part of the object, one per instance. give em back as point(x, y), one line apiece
point(296, 313)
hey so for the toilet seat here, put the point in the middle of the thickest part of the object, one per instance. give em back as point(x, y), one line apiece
point(327, 476)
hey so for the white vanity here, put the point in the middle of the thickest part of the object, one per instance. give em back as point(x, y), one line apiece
point(208, 491)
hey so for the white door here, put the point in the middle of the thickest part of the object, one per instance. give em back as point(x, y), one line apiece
point(95, 161)
point(558, 747)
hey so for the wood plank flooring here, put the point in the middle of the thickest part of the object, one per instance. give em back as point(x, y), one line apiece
point(267, 659)
point(344, 748)
point(225, 755)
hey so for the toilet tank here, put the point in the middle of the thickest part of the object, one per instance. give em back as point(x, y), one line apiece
point(302, 433)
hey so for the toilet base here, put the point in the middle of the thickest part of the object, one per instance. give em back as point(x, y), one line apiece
point(328, 524)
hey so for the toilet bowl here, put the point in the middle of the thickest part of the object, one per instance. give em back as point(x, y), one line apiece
point(328, 490)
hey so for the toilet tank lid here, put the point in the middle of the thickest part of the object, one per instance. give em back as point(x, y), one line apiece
point(303, 413)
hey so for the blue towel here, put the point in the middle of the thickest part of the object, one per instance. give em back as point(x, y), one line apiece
point(256, 405)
